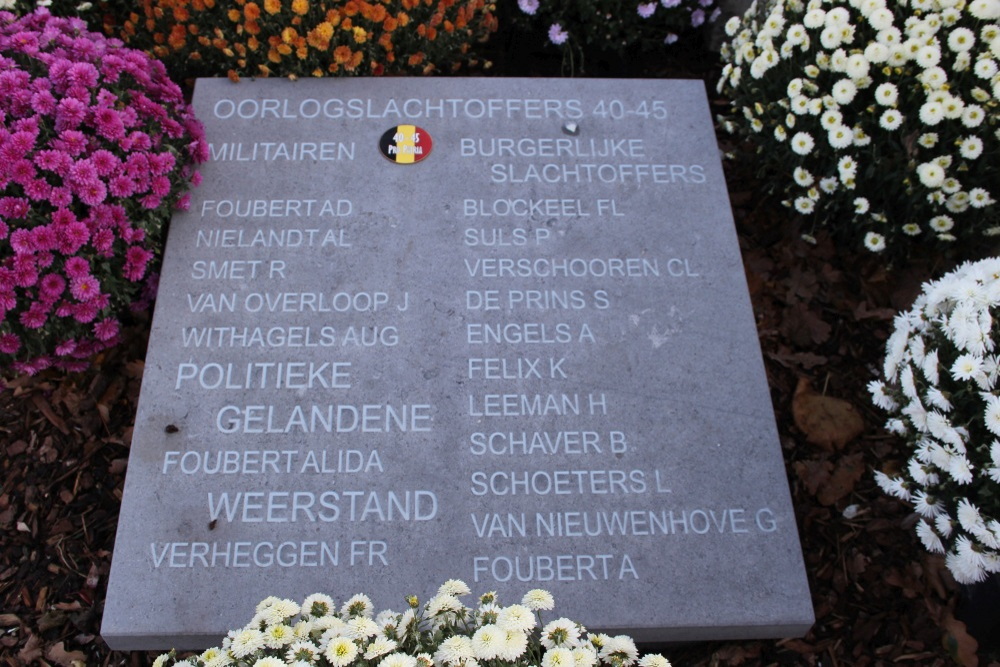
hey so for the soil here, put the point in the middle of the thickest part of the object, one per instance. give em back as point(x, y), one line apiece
point(823, 314)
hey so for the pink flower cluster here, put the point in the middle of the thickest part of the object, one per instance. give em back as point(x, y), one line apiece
point(97, 146)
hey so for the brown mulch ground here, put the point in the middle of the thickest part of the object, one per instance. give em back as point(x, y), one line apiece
point(822, 317)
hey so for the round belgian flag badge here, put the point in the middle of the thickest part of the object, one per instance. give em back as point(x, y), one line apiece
point(405, 144)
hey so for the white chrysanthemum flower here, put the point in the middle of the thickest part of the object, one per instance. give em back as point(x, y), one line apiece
point(840, 137)
point(887, 94)
point(246, 642)
point(804, 205)
point(380, 646)
point(330, 623)
point(215, 657)
point(303, 651)
point(654, 660)
point(926, 505)
point(967, 565)
point(890, 119)
point(931, 174)
point(487, 640)
point(362, 627)
point(934, 78)
point(930, 538)
point(266, 602)
point(516, 617)
point(932, 113)
point(803, 177)
point(278, 636)
point(966, 367)
point(558, 657)
point(928, 56)
point(991, 413)
point(341, 651)
point(844, 91)
point(814, 19)
point(879, 397)
point(830, 119)
point(269, 661)
point(985, 10)
point(961, 40)
point(318, 604)
point(861, 205)
point(454, 587)
point(936, 398)
point(585, 656)
point(443, 604)
point(538, 599)
point(513, 645)
point(560, 632)
point(621, 647)
point(980, 198)
point(358, 605)
point(802, 143)
point(455, 651)
point(874, 242)
point(398, 660)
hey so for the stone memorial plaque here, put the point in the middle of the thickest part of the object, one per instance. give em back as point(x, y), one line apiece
point(488, 329)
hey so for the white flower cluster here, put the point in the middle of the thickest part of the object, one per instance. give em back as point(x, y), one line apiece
point(441, 633)
point(942, 390)
point(882, 113)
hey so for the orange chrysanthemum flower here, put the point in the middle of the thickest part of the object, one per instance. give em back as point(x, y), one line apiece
point(300, 7)
point(272, 6)
point(342, 54)
point(251, 11)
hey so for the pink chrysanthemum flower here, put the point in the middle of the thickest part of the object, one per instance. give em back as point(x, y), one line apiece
point(84, 288)
point(84, 154)
point(106, 329)
point(77, 267)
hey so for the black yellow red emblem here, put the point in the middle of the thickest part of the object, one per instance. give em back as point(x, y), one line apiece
point(405, 144)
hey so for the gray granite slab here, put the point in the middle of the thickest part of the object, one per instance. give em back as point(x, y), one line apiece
point(525, 359)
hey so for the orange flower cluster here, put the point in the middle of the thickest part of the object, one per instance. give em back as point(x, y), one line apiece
point(309, 37)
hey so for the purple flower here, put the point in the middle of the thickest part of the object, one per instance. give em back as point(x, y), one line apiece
point(646, 10)
point(85, 312)
point(557, 35)
point(66, 348)
point(9, 343)
point(8, 299)
point(52, 285)
point(38, 189)
point(84, 288)
point(69, 114)
point(83, 171)
point(102, 240)
point(83, 152)
point(697, 18)
point(71, 141)
point(669, 4)
point(82, 74)
point(528, 6)
point(14, 208)
point(77, 267)
point(61, 197)
point(35, 317)
point(105, 162)
point(43, 102)
point(22, 241)
point(106, 329)
point(109, 124)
